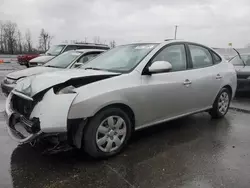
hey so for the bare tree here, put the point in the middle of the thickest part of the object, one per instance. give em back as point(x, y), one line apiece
point(1, 37)
point(97, 40)
point(28, 40)
point(10, 34)
point(44, 40)
point(112, 44)
point(19, 42)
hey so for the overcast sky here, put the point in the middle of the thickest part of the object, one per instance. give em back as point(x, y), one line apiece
point(211, 22)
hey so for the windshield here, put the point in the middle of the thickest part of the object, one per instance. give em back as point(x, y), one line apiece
point(63, 60)
point(237, 60)
point(121, 59)
point(55, 50)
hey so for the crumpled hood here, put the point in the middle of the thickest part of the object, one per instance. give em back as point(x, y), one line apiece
point(32, 85)
point(42, 59)
point(29, 72)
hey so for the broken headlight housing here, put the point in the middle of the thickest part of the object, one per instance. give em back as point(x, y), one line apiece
point(67, 90)
point(9, 81)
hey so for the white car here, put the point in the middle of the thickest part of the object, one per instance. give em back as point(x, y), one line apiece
point(61, 48)
point(67, 60)
point(125, 89)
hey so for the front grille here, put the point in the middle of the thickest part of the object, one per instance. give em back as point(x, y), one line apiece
point(22, 106)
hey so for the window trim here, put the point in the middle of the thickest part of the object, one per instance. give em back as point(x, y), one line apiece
point(200, 45)
point(144, 71)
point(213, 52)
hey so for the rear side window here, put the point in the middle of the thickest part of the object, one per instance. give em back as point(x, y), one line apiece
point(201, 56)
point(217, 58)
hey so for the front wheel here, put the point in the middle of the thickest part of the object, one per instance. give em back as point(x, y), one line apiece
point(107, 133)
point(221, 104)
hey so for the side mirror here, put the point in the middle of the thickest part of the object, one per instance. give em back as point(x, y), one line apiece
point(159, 67)
point(78, 64)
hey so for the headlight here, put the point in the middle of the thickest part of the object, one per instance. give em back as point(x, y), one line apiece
point(9, 81)
point(67, 90)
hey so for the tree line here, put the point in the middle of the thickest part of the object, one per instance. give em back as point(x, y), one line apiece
point(13, 41)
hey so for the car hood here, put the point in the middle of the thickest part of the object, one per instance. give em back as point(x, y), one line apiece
point(30, 72)
point(42, 59)
point(32, 85)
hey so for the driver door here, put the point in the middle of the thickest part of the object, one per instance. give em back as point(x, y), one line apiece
point(167, 94)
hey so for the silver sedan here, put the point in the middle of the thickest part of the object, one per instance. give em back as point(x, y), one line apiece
point(128, 88)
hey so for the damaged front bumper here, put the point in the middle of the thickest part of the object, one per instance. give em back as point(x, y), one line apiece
point(47, 117)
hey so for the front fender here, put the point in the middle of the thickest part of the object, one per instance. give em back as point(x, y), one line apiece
point(91, 106)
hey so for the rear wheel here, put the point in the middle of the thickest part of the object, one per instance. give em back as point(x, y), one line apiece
point(107, 133)
point(221, 104)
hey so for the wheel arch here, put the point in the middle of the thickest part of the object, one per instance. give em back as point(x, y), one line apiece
point(230, 89)
point(75, 133)
point(127, 109)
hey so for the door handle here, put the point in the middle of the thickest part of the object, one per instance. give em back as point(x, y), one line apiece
point(187, 82)
point(218, 76)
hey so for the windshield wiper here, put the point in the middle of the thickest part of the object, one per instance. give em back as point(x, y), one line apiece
point(93, 68)
point(52, 66)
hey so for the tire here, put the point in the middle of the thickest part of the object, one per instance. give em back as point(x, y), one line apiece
point(220, 106)
point(98, 130)
point(27, 64)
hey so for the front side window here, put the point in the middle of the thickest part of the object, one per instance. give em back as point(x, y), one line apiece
point(120, 59)
point(63, 60)
point(55, 50)
point(70, 47)
point(175, 55)
point(84, 59)
point(87, 57)
point(201, 56)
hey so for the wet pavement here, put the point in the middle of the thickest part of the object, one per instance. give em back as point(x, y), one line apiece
point(194, 151)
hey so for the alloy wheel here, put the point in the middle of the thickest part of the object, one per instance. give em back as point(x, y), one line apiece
point(223, 103)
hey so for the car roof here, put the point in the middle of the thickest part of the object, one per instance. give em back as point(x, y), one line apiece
point(88, 50)
point(85, 44)
point(169, 41)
